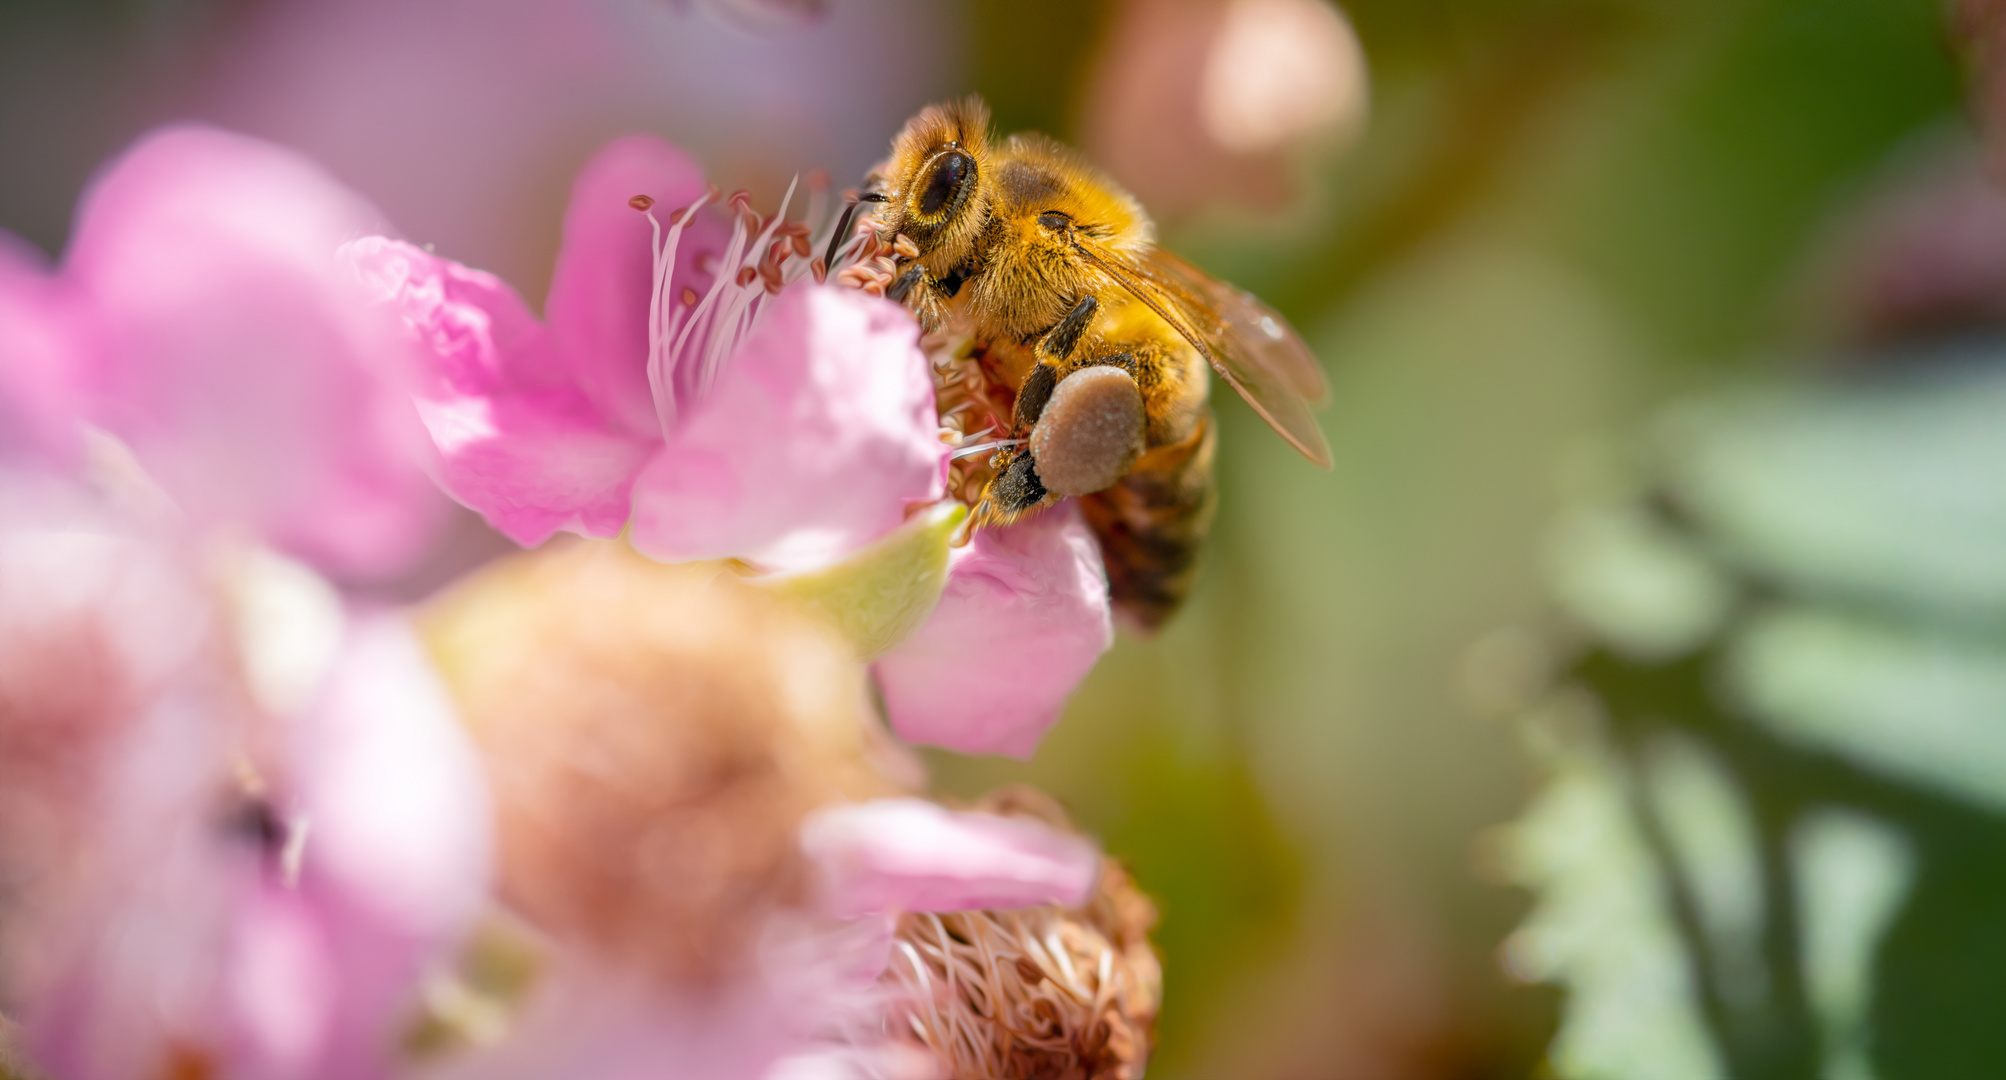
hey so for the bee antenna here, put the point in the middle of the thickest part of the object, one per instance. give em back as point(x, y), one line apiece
point(843, 225)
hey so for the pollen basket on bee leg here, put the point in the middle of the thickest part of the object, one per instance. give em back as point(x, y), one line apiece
point(1090, 432)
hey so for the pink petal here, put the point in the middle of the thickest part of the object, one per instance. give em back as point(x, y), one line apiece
point(177, 936)
point(895, 855)
point(813, 443)
point(395, 864)
point(598, 304)
point(1021, 621)
point(516, 439)
point(122, 953)
point(237, 360)
point(40, 361)
point(393, 787)
point(281, 976)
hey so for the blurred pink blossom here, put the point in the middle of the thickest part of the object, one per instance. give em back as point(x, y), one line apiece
point(37, 394)
point(1197, 103)
point(181, 709)
point(238, 892)
point(212, 931)
point(747, 413)
point(1023, 618)
point(202, 317)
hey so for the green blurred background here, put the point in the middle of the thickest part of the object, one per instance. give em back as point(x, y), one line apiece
point(1560, 215)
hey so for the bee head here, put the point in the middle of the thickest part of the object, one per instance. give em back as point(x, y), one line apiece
point(936, 186)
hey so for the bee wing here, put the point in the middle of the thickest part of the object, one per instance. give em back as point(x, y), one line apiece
point(1248, 343)
point(1251, 333)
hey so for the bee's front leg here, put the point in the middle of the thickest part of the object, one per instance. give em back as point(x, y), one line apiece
point(916, 288)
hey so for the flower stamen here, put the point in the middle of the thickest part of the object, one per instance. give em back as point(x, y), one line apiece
point(984, 448)
point(691, 342)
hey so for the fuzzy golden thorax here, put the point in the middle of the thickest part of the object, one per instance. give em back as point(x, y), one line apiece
point(1047, 201)
point(936, 184)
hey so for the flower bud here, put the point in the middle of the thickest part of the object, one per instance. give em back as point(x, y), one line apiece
point(1048, 991)
point(654, 735)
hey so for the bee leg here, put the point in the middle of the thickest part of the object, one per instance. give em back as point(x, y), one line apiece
point(1060, 340)
point(905, 283)
point(1053, 350)
point(1036, 391)
point(920, 292)
point(1017, 488)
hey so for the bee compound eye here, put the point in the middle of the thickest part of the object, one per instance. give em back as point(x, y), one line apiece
point(949, 174)
point(1091, 431)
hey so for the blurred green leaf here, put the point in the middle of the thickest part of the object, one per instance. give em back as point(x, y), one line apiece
point(1915, 703)
point(1603, 927)
point(1809, 775)
point(1863, 491)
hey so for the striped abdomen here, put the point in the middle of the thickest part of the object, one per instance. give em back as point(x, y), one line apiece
point(1152, 525)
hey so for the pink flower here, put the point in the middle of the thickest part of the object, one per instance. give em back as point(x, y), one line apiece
point(202, 317)
point(260, 945)
point(172, 915)
point(1194, 105)
point(36, 395)
point(1023, 618)
point(747, 412)
point(188, 711)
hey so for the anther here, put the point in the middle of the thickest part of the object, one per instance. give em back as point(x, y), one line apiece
point(643, 203)
point(799, 242)
point(819, 269)
point(904, 246)
point(689, 297)
point(746, 275)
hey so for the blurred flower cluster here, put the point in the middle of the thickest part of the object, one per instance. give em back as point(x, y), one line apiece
point(621, 806)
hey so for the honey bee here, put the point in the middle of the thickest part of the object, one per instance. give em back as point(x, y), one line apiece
point(1088, 347)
